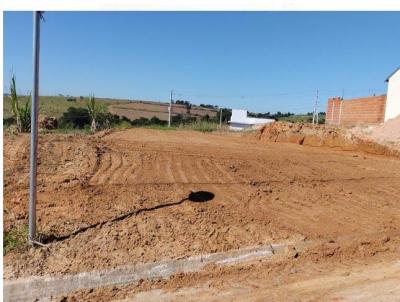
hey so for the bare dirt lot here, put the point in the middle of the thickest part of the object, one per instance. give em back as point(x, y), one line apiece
point(137, 109)
point(90, 188)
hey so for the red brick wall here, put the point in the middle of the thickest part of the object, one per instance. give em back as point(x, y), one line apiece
point(368, 110)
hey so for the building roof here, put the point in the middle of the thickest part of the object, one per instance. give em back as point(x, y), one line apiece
point(396, 70)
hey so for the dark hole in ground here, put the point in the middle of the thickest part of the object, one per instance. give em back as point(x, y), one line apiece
point(201, 196)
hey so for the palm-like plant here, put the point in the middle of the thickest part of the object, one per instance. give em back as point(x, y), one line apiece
point(22, 114)
point(94, 110)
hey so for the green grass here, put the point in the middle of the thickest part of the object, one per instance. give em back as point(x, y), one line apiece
point(202, 126)
point(15, 239)
point(55, 105)
point(85, 130)
point(301, 118)
point(123, 125)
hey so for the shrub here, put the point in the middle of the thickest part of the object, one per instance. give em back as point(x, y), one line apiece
point(180, 119)
point(94, 110)
point(106, 120)
point(75, 118)
point(140, 121)
point(22, 114)
point(123, 124)
point(7, 122)
point(205, 118)
point(156, 121)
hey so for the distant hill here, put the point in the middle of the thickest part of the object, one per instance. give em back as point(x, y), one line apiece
point(57, 105)
point(148, 109)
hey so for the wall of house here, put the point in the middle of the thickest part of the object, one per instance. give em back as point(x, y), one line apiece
point(368, 110)
point(239, 116)
point(393, 97)
point(239, 126)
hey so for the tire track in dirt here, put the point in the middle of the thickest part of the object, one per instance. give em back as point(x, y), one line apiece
point(206, 175)
point(343, 212)
point(174, 172)
point(123, 170)
point(116, 164)
point(389, 189)
point(228, 175)
point(168, 170)
point(157, 168)
point(180, 172)
point(295, 210)
point(103, 170)
point(235, 192)
point(184, 175)
point(189, 170)
point(128, 170)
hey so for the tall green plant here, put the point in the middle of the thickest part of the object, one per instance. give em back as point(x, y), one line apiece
point(22, 114)
point(94, 110)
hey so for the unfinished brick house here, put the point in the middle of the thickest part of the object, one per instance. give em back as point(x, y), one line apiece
point(366, 110)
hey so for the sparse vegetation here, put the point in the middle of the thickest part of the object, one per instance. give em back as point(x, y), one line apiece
point(21, 112)
point(15, 239)
point(202, 126)
point(303, 118)
point(77, 114)
point(94, 110)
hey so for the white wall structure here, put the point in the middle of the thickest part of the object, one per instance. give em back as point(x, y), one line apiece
point(393, 95)
point(240, 120)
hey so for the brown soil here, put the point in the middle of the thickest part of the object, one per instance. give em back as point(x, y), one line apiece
point(370, 271)
point(387, 134)
point(136, 109)
point(325, 136)
point(91, 186)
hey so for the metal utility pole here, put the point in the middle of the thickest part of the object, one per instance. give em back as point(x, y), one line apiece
point(34, 127)
point(315, 113)
point(170, 109)
point(220, 118)
point(316, 107)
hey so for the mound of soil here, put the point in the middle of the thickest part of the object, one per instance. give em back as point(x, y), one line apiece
point(387, 133)
point(47, 122)
point(322, 136)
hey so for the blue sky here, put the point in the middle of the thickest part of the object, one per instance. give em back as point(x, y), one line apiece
point(261, 61)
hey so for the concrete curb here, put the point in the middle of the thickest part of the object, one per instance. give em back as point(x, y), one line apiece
point(41, 287)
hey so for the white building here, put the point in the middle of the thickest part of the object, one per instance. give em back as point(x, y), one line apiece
point(393, 95)
point(240, 120)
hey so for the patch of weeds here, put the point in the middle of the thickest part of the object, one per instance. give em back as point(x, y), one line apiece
point(123, 125)
point(15, 239)
point(11, 131)
point(160, 127)
point(202, 126)
point(85, 130)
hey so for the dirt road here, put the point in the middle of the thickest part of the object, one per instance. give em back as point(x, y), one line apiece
point(90, 188)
